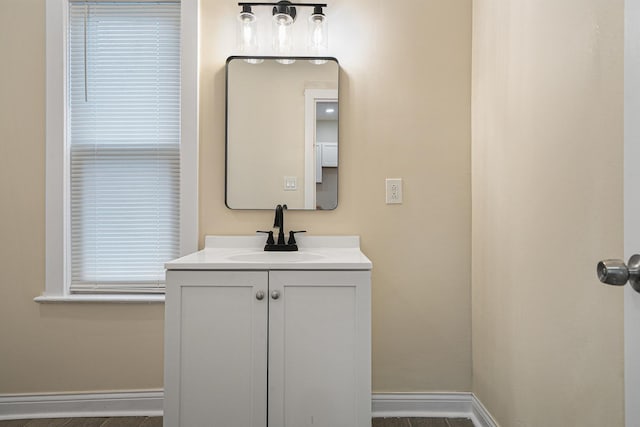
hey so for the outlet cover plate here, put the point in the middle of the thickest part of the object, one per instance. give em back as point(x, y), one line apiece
point(393, 190)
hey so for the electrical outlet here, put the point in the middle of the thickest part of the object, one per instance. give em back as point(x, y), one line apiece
point(394, 190)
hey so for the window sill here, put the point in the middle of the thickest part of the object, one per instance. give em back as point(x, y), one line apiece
point(111, 298)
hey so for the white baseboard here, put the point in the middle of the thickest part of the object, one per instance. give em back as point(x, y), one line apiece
point(62, 405)
point(447, 405)
point(149, 403)
point(480, 415)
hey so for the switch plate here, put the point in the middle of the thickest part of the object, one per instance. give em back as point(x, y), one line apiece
point(394, 190)
point(290, 183)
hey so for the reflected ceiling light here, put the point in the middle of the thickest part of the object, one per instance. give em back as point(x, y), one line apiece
point(329, 110)
point(284, 15)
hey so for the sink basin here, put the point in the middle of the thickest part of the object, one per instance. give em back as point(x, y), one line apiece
point(276, 257)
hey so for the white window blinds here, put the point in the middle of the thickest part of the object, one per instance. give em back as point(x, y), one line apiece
point(123, 138)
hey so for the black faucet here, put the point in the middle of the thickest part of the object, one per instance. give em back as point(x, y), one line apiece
point(278, 222)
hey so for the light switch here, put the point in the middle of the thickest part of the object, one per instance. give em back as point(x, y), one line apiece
point(290, 183)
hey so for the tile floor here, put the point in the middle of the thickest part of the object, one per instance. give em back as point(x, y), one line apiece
point(86, 422)
point(157, 422)
point(421, 422)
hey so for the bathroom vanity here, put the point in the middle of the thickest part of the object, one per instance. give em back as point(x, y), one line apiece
point(277, 339)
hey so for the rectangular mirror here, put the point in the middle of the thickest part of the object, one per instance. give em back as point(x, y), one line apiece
point(282, 133)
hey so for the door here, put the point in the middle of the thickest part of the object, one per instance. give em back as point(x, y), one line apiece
point(216, 349)
point(632, 208)
point(616, 272)
point(319, 349)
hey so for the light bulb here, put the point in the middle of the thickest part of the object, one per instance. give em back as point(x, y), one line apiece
point(282, 38)
point(317, 33)
point(247, 35)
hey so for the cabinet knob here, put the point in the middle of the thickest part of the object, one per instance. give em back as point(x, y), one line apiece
point(260, 295)
point(275, 294)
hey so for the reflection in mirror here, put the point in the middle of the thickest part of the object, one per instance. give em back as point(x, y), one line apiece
point(282, 133)
point(326, 154)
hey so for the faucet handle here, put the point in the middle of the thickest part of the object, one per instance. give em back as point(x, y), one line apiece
point(292, 239)
point(270, 240)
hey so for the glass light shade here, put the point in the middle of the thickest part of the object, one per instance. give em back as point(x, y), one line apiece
point(318, 35)
point(247, 35)
point(282, 34)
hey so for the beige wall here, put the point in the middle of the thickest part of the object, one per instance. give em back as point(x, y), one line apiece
point(405, 109)
point(404, 112)
point(547, 205)
point(51, 347)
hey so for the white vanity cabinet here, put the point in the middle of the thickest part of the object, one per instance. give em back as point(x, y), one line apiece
point(260, 345)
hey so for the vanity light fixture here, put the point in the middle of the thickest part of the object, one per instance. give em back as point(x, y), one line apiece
point(284, 15)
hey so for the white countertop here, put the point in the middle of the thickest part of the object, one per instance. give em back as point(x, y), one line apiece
point(247, 253)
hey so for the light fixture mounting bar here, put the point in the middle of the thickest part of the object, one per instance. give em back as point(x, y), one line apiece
point(280, 3)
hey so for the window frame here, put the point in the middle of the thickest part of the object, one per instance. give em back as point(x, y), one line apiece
point(57, 217)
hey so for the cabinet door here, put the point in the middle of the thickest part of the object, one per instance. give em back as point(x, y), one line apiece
point(330, 154)
point(319, 349)
point(215, 349)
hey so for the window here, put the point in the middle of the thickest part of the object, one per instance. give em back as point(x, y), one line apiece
point(124, 137)
point(121, 158)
